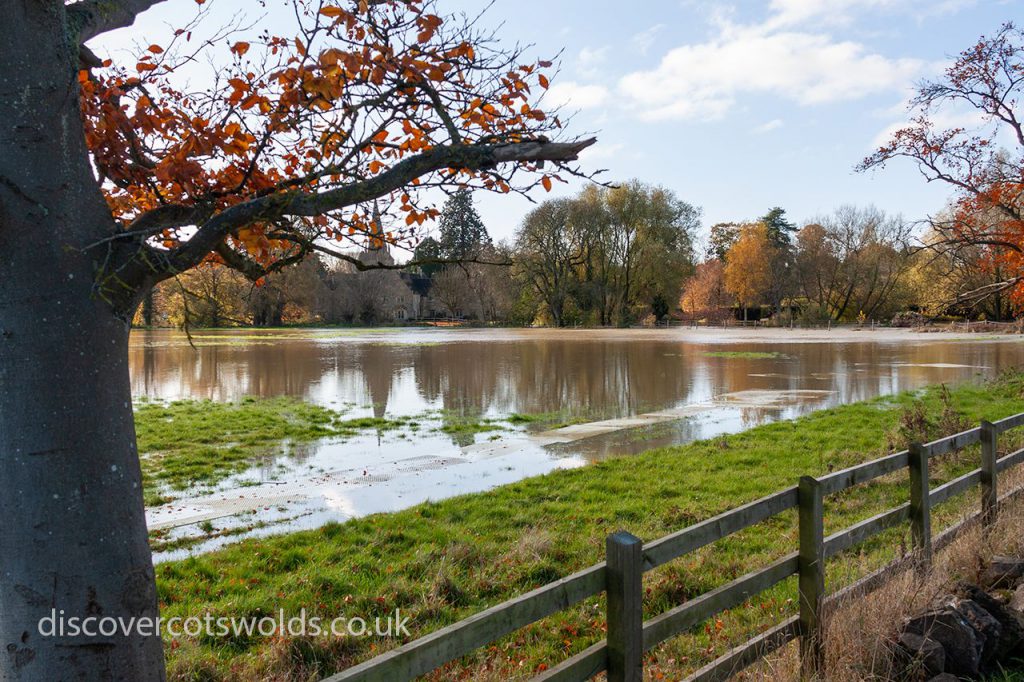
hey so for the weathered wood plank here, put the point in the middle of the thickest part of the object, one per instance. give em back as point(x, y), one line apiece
point(582, 666)
point(950, 534)
point(920, 504)
point(1011, 422)
point(431, 651)
point(726, 666)
point(625, 607)
point(699, 609)
point(704, 533)
point(860, 532)
point(958, 485)
point(869, 583)
point(811, 567)
point(1010, 460)
point(989, 490)
point(862, 473)
point(954, 442)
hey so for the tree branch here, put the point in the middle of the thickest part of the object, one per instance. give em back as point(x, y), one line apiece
point(89, 18)
point(304, 204)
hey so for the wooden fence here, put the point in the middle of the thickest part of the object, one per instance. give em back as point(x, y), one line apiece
point(627, 559)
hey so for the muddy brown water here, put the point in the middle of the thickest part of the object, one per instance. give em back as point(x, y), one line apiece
point(625, 391)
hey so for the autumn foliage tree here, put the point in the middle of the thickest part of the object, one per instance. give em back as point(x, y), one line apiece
point(982, 163)
point(748, 273)
point(117, 176)
point(704, 293)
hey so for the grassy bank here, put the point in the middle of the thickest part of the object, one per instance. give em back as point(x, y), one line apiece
point(444, 561)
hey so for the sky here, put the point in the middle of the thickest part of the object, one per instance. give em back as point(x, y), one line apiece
point(736, 107)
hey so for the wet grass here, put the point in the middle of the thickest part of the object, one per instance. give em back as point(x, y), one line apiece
point(743, 355)
point(201, 442)
point(443, 561)
point(546, 421)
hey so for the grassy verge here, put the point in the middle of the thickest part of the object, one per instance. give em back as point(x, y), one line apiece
point(444, 561)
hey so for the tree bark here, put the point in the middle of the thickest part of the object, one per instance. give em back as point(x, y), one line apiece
point(72, 524)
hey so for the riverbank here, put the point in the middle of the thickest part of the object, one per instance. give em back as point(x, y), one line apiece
point(439, 562)
point(703, 334)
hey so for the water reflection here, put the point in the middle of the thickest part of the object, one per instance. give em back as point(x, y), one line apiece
point(585, 374)
point(680, 385)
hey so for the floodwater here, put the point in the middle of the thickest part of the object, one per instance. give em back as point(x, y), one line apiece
point(614, 392)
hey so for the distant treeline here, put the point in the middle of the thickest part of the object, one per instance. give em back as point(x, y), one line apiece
point(610, 256)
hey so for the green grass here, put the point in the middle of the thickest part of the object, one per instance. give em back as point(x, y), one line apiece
point(545, 421)
point(743, 355)
point(440, 562)
point(190, 442)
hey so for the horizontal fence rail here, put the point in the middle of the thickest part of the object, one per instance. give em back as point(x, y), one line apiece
point(620, 654)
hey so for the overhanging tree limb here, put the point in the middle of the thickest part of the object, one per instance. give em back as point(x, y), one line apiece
point(304, 204)
point(90, 18)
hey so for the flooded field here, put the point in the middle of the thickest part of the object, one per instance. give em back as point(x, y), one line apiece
point(533, 401)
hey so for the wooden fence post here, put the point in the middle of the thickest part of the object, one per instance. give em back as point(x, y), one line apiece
point(920, 506)
point(989, 493)
point(625, 607)
point(811, 576)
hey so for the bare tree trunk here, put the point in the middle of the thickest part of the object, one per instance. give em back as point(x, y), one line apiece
point(72, 525)
point(147, 309)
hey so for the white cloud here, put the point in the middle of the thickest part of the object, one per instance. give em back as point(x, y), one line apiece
point(574, 95)
point(591, 60)
point(602, 151)
point(769, 126)
point(793, 12)
point(703, 81)
point(839, 12)
point(644, 40)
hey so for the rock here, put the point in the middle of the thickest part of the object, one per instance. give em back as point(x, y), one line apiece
point(1011, 635)
point(985, 624)
point(960, 640)
point(1003, 571)
point(920, 654)
point(1017, 600)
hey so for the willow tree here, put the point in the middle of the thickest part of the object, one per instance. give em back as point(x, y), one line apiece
point(114, 177)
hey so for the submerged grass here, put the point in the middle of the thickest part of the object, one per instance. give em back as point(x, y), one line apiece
point(189, 442)
point(743, 355)
point(439, 562)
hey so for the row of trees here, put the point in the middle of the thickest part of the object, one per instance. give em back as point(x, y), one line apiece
point(612, 256)
point(607, 256)
point(851, 263)
point(854, 264)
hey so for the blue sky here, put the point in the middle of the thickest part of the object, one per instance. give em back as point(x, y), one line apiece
point(737, 107)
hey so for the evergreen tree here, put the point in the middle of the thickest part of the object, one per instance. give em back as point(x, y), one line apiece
point(779, 228)
point(427, 250)
point(462, 229)
point(723, 236)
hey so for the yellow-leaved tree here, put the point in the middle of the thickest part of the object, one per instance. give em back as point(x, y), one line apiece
point(748, 273)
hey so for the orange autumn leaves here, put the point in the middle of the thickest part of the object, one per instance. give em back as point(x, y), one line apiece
point(358, 90)
point(982, 218)
point(982, 161)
